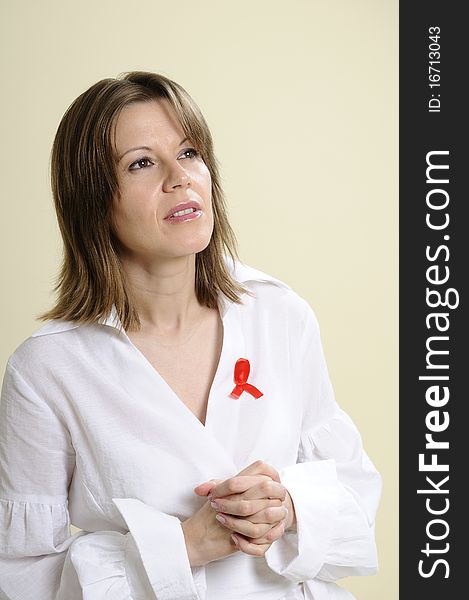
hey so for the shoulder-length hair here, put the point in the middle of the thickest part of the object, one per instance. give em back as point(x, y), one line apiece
point(84, 183)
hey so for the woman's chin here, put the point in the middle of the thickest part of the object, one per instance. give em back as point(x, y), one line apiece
point(197, 242)
point(188, 247)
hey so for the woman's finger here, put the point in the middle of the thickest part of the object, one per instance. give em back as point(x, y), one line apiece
point(261, 468)
point(243, 526)
point(238, 485)
point(265, 489)
point(204, 489)
point(273, 534)
point(271, 515)
point(257, 468)
point(236, 505)
point(248, 547)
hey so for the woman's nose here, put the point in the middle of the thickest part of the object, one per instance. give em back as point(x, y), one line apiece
point(176, 177)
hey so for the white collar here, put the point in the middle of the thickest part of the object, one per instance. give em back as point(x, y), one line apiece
point(238, 270)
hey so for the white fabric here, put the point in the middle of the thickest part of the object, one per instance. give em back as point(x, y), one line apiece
point(91, 434)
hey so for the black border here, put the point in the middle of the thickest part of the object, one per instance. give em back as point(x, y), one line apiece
point(421, 132)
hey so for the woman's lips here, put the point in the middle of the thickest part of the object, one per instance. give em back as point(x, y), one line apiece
point(185, 211)
point(186, 216)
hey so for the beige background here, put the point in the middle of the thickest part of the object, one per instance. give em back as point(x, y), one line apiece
point(301, 98)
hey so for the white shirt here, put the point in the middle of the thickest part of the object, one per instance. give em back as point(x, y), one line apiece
point(91, 434)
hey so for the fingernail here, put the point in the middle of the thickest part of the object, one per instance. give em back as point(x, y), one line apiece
point(214, 505)
point(221, 519)
point(235, 540)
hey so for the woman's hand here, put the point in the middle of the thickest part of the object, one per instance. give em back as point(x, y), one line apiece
point(206, 539)
point(254, 505)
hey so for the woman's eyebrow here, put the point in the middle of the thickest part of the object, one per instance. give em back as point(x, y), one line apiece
point(146, 148)
point(133, 149)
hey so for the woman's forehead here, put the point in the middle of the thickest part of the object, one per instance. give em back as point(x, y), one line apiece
point(153, 120)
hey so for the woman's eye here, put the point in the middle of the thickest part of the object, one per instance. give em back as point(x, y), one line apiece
point(191, 152)
point(141, 163)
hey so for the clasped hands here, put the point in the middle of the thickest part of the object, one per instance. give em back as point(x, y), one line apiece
point(247, 512)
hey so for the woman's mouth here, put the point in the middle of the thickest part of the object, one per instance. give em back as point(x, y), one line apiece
point(189, 214)
point(187, 211)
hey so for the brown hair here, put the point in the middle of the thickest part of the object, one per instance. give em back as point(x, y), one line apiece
point(84, 182)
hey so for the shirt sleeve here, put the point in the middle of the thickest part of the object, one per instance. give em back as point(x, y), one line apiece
point(38, 556)
point(334, 486)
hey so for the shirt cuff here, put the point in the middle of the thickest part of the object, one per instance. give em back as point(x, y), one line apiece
point(313, 488)
point(159, 540)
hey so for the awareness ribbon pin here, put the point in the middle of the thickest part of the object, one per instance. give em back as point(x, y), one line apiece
point(241, 374)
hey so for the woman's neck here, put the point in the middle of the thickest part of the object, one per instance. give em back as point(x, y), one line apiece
point(164, 293)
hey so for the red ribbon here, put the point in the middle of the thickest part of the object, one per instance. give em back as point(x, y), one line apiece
point(241, 374)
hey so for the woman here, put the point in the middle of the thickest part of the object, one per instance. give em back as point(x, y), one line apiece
point(166, 371)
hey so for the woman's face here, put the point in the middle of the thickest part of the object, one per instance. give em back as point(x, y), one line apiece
point(163, 208)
